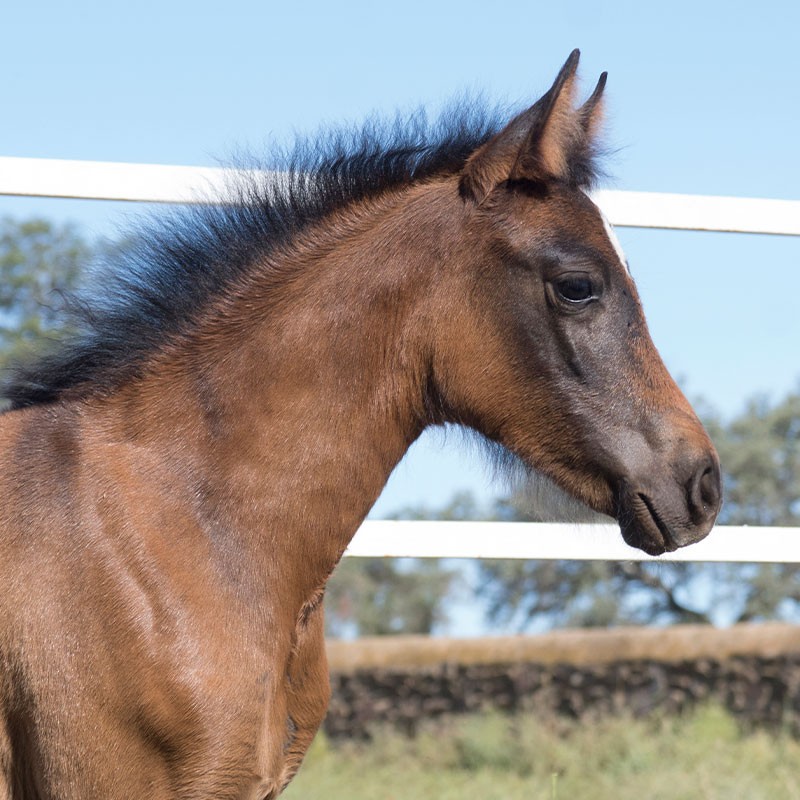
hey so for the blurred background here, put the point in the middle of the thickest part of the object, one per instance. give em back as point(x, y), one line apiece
point(702, 98)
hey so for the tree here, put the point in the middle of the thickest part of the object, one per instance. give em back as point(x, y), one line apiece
point(379, 596)
point(760, 454)
point(38, 263)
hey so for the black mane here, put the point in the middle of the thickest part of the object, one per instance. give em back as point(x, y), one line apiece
point(156, 287)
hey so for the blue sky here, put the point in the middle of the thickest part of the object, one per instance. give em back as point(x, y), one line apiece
point(702, 98)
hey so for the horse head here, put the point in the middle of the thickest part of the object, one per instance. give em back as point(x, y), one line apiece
point(553, 358)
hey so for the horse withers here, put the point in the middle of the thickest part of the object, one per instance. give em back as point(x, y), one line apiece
point(182, 476)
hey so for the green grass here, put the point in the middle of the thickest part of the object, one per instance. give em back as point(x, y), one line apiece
point(702, 756)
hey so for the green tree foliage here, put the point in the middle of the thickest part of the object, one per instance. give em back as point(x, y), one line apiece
point(760, 455)
point(38, 262)
point(379, 596)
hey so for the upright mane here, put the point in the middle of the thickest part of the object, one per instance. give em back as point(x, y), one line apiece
point(155, 288)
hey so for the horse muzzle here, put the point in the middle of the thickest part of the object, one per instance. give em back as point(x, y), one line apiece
point(679, 509)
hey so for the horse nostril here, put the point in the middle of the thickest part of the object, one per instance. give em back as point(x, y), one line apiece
point(709, 488)
point(705, 492)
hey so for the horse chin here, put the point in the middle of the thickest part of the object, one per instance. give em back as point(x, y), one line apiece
point(644, 528)
point(642, 539)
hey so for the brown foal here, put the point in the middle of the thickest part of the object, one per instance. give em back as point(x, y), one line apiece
point(180, 479)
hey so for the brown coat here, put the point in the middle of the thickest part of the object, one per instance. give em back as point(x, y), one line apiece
point(169, 521)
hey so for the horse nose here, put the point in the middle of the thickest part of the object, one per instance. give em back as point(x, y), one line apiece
point(704, 491)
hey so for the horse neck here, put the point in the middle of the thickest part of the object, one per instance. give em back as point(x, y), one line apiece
point(295, 420)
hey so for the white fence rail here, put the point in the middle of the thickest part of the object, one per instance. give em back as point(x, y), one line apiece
point(556, 540)
point(97, 180)
point(156, 183)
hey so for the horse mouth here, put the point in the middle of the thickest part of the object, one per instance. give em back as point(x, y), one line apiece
point(643, 527)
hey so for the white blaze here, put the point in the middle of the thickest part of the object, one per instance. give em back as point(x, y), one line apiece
point(612, 237)
point(614, 241)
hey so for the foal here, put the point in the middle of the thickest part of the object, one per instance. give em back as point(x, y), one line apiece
point(180, 480)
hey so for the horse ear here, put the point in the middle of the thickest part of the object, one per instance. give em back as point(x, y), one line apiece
point(590, 113)
point(534, 146)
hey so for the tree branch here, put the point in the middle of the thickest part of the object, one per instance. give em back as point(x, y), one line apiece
point(635, 571)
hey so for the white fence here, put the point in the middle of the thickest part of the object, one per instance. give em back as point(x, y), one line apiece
point(95, 180)
point(559, 540)
point(156, 183)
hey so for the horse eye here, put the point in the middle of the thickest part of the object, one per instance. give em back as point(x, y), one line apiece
point(574, 289)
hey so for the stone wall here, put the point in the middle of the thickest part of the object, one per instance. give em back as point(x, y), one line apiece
point(752, 670)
